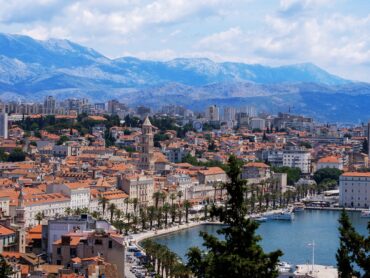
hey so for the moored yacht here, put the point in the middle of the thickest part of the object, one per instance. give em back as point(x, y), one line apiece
point(281, 215)
point(365, 213)
point(298, 206)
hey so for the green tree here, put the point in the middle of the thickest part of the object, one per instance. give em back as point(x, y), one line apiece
point(344, 257)
point(38, 217)
point(112, 209)
point(327, 174)
point(103, 201)
point(187, 206)
point(62, 139)
point(16, 155)
point(293, 173)
point(239, 255)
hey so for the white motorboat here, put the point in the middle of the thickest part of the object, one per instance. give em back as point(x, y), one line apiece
point(365, 213)
point(260, 219)
point(284, 267)
point(282, 215)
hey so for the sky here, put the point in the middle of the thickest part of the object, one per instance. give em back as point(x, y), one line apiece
point(333, 34)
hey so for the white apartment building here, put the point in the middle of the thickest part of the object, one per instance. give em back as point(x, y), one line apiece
point(330, 162)
point(48, 205)
point(79, 193)
point(183, 182)
point(354, 189)
point(257, 123)
point(297, 157)
point(213, 113)
point(140, 187)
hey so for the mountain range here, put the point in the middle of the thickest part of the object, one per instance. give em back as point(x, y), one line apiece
point(31, 69)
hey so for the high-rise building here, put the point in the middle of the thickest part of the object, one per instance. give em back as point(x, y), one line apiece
point(49, 105)
point(213, 113)
point(229, 114)
point(250, 110)
point(147, 146)
point(4, 125)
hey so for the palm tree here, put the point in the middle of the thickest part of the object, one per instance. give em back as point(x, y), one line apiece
point(173, 213)
point(179, 195)
point(39, 216)
point(172, 197)
point(119, 224)
point(85, 210)
point(274, 196)
point(151, 216)
point(159, 215)
point(166, 209)
point(68, 211)
point(187, 206)
point(118, 214)
point(103, 201)
point(156, 197)
point(135, 221)
point(267, 199)
point(127, 201)
point(77, 211)
point(96, 214)
point(135, 203)
point(112, 209)
point(163, 198)
point(143, 218)
point(179, 213)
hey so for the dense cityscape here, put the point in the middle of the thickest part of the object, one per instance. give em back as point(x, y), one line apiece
point(82, 184)
point(184, 139)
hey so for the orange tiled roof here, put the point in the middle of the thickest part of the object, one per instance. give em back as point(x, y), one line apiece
point(329, 159)
point(4, 231)
point(212, 171)
point(257, 165)
point(356, 174)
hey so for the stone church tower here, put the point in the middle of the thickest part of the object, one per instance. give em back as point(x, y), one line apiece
point(147, 146)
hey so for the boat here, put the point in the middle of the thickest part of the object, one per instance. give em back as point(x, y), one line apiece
point(260, 219)
point(298, 206)
point(284, 267)
point(365, 213)
point(282, 215)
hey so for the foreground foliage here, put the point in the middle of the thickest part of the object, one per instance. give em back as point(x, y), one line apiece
point(239, 255)
point(354, 250)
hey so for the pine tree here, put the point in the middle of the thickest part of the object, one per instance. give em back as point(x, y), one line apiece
point(344, 260)
point(239, 255)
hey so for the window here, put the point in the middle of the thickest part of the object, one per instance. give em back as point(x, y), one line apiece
point(73, 252)
point(98, 242)
point(59, 262)
point(58, 251)
point(110, 244)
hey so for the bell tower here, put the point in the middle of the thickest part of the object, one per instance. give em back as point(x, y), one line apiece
point(147, 146)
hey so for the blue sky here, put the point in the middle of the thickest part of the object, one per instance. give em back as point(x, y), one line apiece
point(334, 34)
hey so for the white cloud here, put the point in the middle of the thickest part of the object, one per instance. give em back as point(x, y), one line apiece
point(330, 33)
point(225, 40)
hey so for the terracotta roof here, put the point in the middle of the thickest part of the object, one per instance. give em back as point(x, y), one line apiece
point(356, 174)
point(329, 159)
point(212, 171)
point(4, 231)
point(257, 165)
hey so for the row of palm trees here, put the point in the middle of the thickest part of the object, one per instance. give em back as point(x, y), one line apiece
point(159, 215)
point(163, 261)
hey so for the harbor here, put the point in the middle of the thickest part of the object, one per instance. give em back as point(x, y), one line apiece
point(292, 237)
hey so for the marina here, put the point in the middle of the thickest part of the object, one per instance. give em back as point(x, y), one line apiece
point(293, 237)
